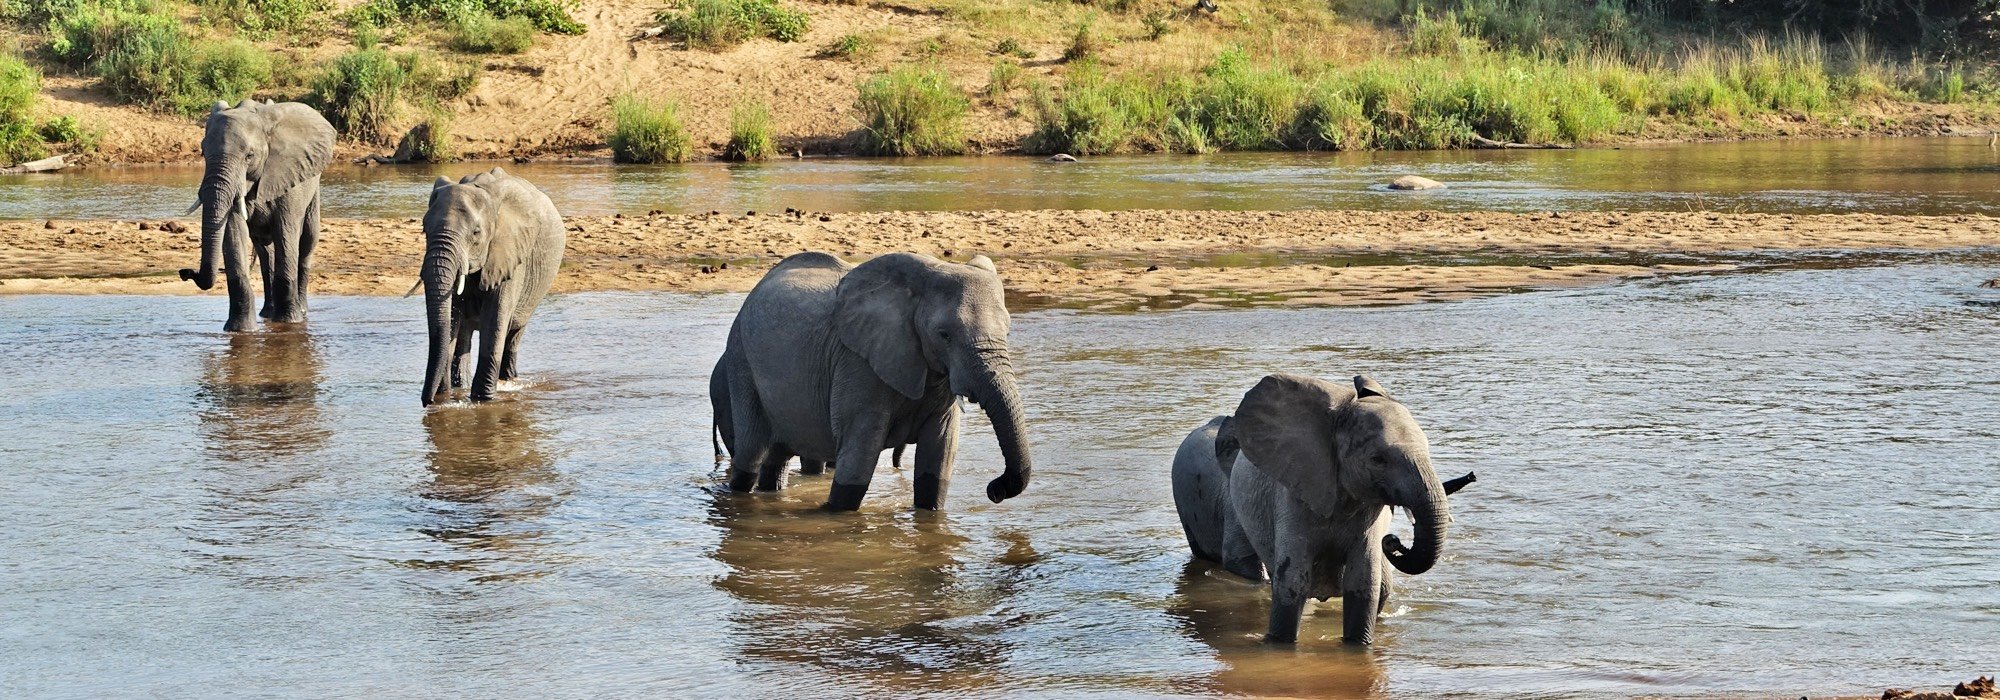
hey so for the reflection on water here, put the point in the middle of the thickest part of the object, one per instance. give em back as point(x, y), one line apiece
point(1904, 175)
point(1751, 484)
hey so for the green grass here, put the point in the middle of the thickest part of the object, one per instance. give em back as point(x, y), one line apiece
point(265, 18)
point(20, 91)
point(852, 47)
point(911, 111)
point(721, 24)
point(647, 131)
point(364, 92)
point(1003, 79)
point(484, 34)
point(750, 133)
point(435, 144)
point(552, 16)
point(149, 59)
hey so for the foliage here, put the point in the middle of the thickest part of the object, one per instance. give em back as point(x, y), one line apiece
point(851, 47)
point(720, 24)
point(149, 59)
point(1159, 24)
point(436, 145)
point(1005, 76)
point(20, 90)
point(1085, 42)
point(484, 34)
point(647, 131)
point(263, 18)
point(912, 111)
point(1012, 47)
point(750, 133)
point(361, 93)
point(552, 16)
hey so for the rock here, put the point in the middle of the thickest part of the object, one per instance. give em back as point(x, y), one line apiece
point(173, 227)
point(1413, 182)
point(1981, 687)
point(1061, 158)
point(1991, 284)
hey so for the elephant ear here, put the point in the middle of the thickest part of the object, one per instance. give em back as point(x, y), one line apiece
point(1226, 444)
point(984, 263)
point(875, 315)
point(1365, 387)
point(301, 144)
point(506, 234)
point(1285, 426)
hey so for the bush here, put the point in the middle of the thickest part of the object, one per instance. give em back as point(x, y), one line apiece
point(552, 16)
point(750, 133)
point(912, 111)
point(647, 131)
point(1012, 47)
point(1159, 24)
point(150, 60)
point(361, 93)
point(435, 144)
point(1005, 76)
point(851, 47)
point(720, 24)
point(20, 90)
point(483, 34)
point(266, 17)
point(1084, 42)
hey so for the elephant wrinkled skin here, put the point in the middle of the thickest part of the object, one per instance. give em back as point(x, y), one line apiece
point(834, 363)
point(260, 192)
point(1299, 483)
point(493, 244)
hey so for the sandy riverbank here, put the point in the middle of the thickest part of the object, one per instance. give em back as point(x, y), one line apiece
point(1083, 259)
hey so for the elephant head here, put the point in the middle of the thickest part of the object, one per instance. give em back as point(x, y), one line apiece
point(1337, 448)
point(459, 245)
point(255, 153)
point(919, 322)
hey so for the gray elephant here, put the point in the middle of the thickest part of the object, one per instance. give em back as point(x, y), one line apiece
point(260, 192)
point(834, 363)
point(1299, 483)
point(493, 243)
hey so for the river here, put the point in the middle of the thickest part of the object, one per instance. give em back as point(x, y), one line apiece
point(1903, 176)
point(1765, 483)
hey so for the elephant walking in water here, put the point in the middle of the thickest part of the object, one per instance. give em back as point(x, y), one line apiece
point(834, 363)
point(1299, 482)
point(260, 193)
point(493, 244)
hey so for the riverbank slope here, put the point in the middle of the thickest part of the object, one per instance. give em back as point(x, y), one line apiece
point(1100, 260)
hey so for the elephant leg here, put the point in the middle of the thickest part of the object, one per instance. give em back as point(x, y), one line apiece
point(771, 470)
point(461, 353)
point(308, 238)
point(236, 268)
point(282, 293)
point(937, 448)
point(1291, 586)
point(264, 266)
point(507, 358)
point(1238, 556)
point(752, 434)
point(1362, 594)
point(495, 313)
point(860, 450)
point(812, 467)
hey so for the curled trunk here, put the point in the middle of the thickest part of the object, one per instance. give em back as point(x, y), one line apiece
point(221, 198)
point(1001, 401)
point(440, 279)
point(1432, 516)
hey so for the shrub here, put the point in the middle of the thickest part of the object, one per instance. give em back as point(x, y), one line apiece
point(266, 17)
point(435, 144)
point(647, 131)
point(1084, 42)
point(1159, 23)
point(851, 47)
point(20, 89)
point(361, 93)
point(912, 111)
point(750, 133)
point(1005, 76)
point(720, 24)
point(484, 34)
point(66, 129)
point(552, 16)
point(1012, 47)
point(150, 60)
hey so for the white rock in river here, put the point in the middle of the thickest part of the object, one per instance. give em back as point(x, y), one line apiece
point(1413, 182)
point(1062, 158)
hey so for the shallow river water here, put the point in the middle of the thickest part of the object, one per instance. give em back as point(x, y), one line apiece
point(1759, 483)
point(1945, 175)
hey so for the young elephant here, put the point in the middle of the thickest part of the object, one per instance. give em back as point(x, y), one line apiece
point(494, 243)
point(1299, 482)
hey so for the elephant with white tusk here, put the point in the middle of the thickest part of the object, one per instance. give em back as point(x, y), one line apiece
point(493, 244)
point(1299, 484)
point(260, 193)
point(834, 363)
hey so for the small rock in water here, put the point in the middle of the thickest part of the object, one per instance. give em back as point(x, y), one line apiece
point(1413, 182)
point(1991, 284)
point(1062, 158)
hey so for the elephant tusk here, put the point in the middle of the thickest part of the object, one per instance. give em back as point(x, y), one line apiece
point(192, 209)
point(242, 209)
point(461, 284)
point(413, 288)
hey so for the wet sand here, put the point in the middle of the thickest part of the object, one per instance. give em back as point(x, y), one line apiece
point(1082, 259)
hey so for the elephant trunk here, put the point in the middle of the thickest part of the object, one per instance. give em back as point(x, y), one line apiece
point(442, 263)
point(221, 198)
point(997, 395)
point(1431, 514)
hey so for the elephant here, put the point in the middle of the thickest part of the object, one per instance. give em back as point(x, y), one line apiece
point(493, 244)
point(261, 188)
point(834, 363)
point(1299, 483)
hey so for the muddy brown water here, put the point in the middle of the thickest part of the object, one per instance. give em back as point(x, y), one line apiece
point(1756, 484)
point(1942, 175)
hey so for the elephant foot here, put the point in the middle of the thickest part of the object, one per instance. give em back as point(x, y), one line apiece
point(812, 467)
point(1246, 567)
point(845, 497)
point(930, 492)
point(237, 325)
point(741, 482)
point(771, 478)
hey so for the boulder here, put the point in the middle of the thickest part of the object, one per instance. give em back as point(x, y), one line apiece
point(1413, 182)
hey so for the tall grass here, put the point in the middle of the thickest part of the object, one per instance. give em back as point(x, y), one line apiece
point(750, 133)
point(361, 93)
point(647, 131)
point(484, 34)
point(150, 59)
point(432, 142)
point(20, 90)
point(552, 16)
point(720, 24)
point(912, 111)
